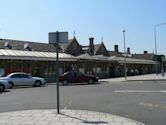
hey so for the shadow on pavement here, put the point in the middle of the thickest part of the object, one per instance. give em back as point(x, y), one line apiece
point(86, 121)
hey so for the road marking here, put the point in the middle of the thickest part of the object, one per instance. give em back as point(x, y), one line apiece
point(148, 104)
point(69, 103)
point(163, 91)
point(140, 91)
point(152, 105)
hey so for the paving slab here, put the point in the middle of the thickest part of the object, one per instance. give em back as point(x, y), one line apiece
point(66, 117)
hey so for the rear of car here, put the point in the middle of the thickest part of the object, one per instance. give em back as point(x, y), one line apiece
point(94, 78)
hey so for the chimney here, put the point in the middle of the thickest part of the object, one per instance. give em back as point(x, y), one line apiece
point(116, 48)
point(145, 52)
point(128, 50)
point(91, 46)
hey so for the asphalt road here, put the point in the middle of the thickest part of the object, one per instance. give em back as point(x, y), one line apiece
point(142, 101)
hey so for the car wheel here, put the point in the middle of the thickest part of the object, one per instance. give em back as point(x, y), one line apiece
point(1, 88)
point(90, 81)
point(65, 82)
point(37, 83)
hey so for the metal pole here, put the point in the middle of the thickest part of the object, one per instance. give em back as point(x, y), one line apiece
point(125, 75)
point(57, 75)
point(155, 49)
point(155, 38)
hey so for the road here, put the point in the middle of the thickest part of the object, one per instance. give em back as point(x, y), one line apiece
point(142, 101)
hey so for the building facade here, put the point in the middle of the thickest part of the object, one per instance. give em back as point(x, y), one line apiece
point(39, 59)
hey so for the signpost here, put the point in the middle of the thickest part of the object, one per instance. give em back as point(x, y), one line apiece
point(57, 69)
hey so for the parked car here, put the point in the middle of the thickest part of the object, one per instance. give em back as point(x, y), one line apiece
point(76, 77)
point(21, 79)
point(4, 85)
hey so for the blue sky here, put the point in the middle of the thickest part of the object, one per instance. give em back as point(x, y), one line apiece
point(31, 20)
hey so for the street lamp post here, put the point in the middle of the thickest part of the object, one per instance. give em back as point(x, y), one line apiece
point(155, 38)
point(125, 75)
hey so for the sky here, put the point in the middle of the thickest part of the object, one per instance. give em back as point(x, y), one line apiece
point(32, 20)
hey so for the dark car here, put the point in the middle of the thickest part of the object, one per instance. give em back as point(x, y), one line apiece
point(76, 77)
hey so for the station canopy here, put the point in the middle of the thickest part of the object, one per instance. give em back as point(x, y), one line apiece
point(133, 60)
point(51, 56)
point(34, 55)
point(115, 59)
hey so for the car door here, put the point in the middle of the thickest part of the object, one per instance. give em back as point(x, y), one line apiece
point(26, 79)
point(80, 77)
point(16, 79)
point(70, 77)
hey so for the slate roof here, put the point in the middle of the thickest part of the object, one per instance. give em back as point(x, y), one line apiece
point(96, 47)
point(117, 54)
point(45, 47)
point(65, 45)
point(148, 56)
point(35, 46)
point(86, 48)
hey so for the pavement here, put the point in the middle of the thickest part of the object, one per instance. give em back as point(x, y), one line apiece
point(66, 117)
point(147, 77)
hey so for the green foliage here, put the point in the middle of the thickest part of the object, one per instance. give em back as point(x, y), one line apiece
point(159, 57)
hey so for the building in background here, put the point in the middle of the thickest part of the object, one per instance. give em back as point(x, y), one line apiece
point(39, 58)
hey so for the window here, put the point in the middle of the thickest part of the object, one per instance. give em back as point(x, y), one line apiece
point(16, 76)
point(69, 75)
point(24, 76)
point(77, 74)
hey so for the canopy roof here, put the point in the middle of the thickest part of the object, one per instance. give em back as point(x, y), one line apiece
point(133, 60)
point(51, 56)
point(34, 55)
point(114, 58)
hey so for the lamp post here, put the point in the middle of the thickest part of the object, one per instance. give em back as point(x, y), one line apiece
point(125, 75)
point(155, 38)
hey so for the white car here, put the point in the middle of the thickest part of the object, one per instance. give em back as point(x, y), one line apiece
point(21, 79)
point(4, 85)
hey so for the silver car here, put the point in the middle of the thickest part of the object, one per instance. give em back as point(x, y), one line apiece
point(4, 85)
point(21, 79)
